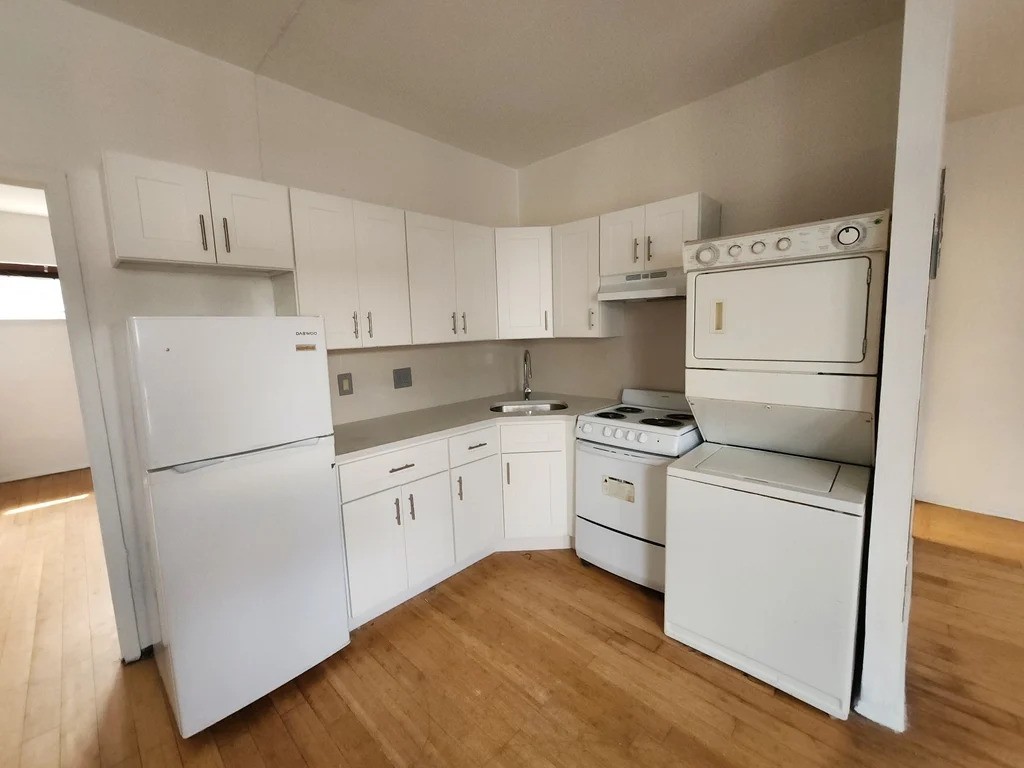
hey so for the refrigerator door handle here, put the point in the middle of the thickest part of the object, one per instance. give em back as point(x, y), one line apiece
point(193, 466)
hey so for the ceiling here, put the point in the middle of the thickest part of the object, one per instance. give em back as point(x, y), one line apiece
point(987, 65)
point(512, 80)
point(22, 200)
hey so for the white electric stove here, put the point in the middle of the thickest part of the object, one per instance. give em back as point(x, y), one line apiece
point(622, 453)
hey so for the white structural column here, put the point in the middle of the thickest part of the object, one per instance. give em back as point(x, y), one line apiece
point(927, 32)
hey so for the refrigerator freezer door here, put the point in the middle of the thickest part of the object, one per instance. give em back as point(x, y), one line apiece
point(216, 386)
point(250, 574)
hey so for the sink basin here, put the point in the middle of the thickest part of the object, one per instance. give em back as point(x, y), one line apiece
point(529, 406)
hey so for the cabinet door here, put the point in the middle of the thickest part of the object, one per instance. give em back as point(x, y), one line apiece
point(669, 223)
point(475, 282)
point(383, 275)
point(433, 306)
point(476, 507)
point(574, 271)
point(621, 236)
point(158, 211)
point(523, 262)
point(429, 540)
point(375, 549)
point(325, 264)
point(534, 495)
point(252, 222)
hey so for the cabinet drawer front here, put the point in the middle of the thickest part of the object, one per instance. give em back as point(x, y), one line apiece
point(526, 438)
point(387, 470)
point(472, 446)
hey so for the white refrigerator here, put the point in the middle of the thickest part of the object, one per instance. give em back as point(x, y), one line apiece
point(245, 549)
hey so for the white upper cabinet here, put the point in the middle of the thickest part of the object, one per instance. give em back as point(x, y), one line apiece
point(252, 222)
point(383, 275)
point(523, 262)
point(326, 279)
point(651, 237)
point(475, 282)
point(621, 234)
point(432, 296)
point(575, 252)
point(158, 211)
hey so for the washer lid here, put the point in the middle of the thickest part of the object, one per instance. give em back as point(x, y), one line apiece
point(825, 484)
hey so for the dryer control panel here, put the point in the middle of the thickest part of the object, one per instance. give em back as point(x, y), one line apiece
point(868, 232)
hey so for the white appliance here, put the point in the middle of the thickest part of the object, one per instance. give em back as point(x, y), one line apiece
point(764, 566)
point(783, 337)
point(621, 456)
point(243, 524)
point(764, 548)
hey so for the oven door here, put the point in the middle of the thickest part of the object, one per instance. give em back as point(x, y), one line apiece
point(622, 490)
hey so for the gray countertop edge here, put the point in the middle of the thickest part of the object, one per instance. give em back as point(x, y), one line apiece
point(359, 439)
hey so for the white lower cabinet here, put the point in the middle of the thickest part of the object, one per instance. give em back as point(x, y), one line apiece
point(477, 507)
point(427, 519)
point(375, 549)
point(535, 495)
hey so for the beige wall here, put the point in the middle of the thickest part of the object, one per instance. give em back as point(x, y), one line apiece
point(972, 420)
point(813, 139)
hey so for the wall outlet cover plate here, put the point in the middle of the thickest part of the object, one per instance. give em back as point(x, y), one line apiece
point(402, 377)
point(345, 384)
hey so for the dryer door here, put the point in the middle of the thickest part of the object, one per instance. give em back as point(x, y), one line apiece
point(798, 316)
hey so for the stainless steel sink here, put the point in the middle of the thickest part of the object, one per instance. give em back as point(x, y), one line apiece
point(529, 406)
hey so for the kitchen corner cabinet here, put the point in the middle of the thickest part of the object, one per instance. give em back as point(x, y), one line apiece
point(534, 495)
point(477, 507)
point(523, 263)
point(383, 274)
point(575, 262)
point(650, 237)
point(174, 214)
point(397, 539)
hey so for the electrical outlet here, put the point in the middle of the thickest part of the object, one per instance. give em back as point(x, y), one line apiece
point(345, 384)
point(403, 377)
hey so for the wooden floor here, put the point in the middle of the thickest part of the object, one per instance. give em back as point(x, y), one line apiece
point(526, 659)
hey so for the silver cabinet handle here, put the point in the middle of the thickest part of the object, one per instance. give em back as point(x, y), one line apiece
point(464, 323)
point(398, 511)
point(369, 323)
point(649, 248)
point(636, 244)
point(591, 319)
point(460, 488)
point(399, 469)
point(508, 473)
point(227, 237)
point(474, 447)
point(453, 324)
point(355, 323)
point(545, 319)
point(412, 506)
point(202, 231)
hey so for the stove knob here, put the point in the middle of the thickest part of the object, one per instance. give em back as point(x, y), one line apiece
point(587, 428)
point(757, 247)
point(618, 434)
point(641, 437)
point(630, 434)
point(607, 432)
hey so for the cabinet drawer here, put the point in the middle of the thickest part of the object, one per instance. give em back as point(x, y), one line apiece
point(526, 438)
point(377, 473)
point(472, 446)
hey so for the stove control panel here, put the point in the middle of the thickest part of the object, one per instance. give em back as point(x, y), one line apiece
point(869, 232)
point(637, 439)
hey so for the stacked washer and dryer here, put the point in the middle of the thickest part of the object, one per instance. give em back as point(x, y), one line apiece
point(766, 518)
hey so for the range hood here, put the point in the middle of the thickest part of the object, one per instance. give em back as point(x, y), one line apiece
point(638, 286)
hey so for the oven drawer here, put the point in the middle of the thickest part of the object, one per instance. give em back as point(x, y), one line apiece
point(622, 490)
point(471, 446)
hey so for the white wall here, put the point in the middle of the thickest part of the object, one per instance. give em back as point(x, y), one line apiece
point(40, 424)
point(25, 239)
point(813, 139)
point(76, 83)
point(972, 420)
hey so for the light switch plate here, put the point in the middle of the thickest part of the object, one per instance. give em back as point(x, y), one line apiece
point(345, 384)
point(403, 377)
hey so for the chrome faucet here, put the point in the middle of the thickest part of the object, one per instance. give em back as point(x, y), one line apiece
point(527, 375)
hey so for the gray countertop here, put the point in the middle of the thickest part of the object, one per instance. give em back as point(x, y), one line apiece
point(361, 436)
